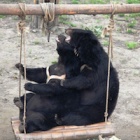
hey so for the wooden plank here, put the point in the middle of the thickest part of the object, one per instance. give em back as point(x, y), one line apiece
point(69, 9)
point(66, 132)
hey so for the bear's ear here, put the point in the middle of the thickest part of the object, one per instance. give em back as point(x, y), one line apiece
point(68, 31)
point(61, 38)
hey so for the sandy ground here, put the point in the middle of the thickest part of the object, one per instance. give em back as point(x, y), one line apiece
point(40, 53)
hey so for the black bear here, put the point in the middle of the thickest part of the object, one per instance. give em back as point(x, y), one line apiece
point(80, 99)
point(35, 114)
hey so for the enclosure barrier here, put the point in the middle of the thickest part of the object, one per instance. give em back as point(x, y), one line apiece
point(71, 9)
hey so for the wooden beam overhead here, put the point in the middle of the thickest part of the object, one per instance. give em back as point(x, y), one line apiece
point(71, 9)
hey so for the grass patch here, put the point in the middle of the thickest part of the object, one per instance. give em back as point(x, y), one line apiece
point(121, 15)
point(129, 31)
point(36, 42)
point(2, 16)
point(105, 43)
point(132, 1)
point(69, 23)
point(132, 24)
point(97, 30)
point(64, 20)
point(97, 1)
point(75, 2)
point(134, 15)
point(131, 45)
point(54, 62)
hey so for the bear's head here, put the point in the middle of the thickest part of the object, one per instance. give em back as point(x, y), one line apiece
point(67, 56)
point(64, 49)
point(86, 45)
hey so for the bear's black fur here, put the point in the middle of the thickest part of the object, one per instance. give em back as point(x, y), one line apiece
point(45, 106)
point(80, 98)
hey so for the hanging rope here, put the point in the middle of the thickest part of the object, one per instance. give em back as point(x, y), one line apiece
point(49, 16)
point(110, 55)
point(109, 28)
point(22, 29)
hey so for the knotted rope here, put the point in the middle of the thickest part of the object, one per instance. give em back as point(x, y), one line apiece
point(110, 55)
point(22, 29)
point(48, 18)
point(108, 30)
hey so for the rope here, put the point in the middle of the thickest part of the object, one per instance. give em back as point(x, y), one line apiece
point(109, 28)
point(20, 61)
point(22, 29)
point(24, 116)
point(22, 7)
point(110, 55)
point(49, 16)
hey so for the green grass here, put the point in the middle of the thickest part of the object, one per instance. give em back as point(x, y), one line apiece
point(36, 42)
point(105, 43)
point(121, 15)
point(2, 16)
point(68, 23)
point(97, 1)
point(65, 20)
point(134, 15)
point(132, 24)
point(63, 17)
point(54, 62)
point(133, 1)
point(131, 45)
point(90, 1)
point(75, 2)
point(129, 31)
point(96, 29)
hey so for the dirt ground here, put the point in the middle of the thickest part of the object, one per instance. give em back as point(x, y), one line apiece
point(40, 53)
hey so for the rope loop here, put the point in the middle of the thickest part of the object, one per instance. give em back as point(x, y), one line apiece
point(110, 26)
point(49, 11)
point(113, 11)
point(21, 26)
point(48, 18)
point(22, 7)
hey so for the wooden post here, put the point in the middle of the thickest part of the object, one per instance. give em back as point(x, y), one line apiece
point(35, 18)
point(69, 9)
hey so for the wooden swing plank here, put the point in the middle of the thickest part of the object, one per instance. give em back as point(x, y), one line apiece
point(65, 132)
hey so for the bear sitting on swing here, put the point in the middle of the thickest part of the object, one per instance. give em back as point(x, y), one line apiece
point(80, 99)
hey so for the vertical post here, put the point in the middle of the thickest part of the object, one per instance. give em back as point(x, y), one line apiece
point(37, 17)
point(56, 18)
point(34, 23)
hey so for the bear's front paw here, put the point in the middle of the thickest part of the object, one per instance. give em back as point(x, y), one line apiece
point(20, 67)
point(21, 127)
point(18, 102)
point(28, 86)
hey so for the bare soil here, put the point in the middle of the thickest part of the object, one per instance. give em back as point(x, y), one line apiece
point(40, 53)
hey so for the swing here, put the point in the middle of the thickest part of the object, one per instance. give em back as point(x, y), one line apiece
point(103, 129)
